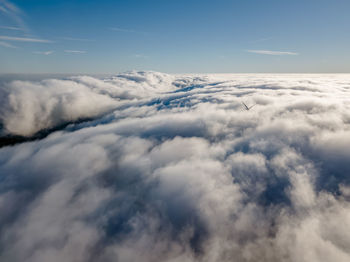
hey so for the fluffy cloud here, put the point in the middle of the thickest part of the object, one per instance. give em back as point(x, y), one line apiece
point(29, 107)
point(145, 166)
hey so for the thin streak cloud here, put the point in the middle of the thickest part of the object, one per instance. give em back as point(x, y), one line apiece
point(118, 29)
point(269, 52)
point(4, 44)
point(140, 56)
point(9, 8)
point(15, 13)
point(126, 30)
point(24, 39)
point(43, 52)
point(11, 28)
point(261, 40)
point(76, 39)
point(75, 51)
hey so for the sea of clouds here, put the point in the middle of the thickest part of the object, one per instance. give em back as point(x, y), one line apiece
point(145, 166)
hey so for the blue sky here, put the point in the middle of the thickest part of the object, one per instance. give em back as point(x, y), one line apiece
point(192, 36)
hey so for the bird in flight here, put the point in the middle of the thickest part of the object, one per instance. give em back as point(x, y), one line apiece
point(246, 107)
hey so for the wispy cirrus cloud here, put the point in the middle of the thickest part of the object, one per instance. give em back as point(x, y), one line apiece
point(118, 29)
point(8, 45)
point(24, 39)
point(270, 52)
point(43, 52)
point(8, 7)
point(76, 39)
point(75, 51)
point(140, 56)
point(127, 30)
point(261, 40)
point(11, 28)
point(15, 14)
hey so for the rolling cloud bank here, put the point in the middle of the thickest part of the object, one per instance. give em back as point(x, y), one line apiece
point(145, 166)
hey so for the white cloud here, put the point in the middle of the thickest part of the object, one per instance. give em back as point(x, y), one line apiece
point(24, 39)
point(43, 52)
point(76, 39)
point(176, 165)
point(140, 56)
point(15, 13)
point(11, 28)
point(75, 51)
point(9, 7)
point(118, 29)
point(127, 30)
point(269, 52)
point(261, 40)
point(8, 45)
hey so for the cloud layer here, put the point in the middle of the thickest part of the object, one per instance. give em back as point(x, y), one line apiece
point(174, 168)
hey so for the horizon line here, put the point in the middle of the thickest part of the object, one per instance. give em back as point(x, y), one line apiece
point(183, 73)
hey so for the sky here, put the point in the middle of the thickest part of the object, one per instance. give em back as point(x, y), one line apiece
point(192, 36)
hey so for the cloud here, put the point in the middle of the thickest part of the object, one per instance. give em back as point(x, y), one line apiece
point(75, 51)
point(5, 44)
point(33, 106)
point(126, 30)
point(261, 40)
point(15, 13)
point(43, 52)
point(76, 39)
point(11, 28)
point(9, 7)
point(145, 166)
point(118, 29)
point(269, 52)
point(140, 56)
point(24, 39)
